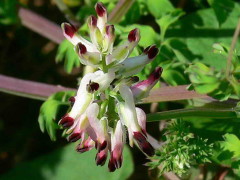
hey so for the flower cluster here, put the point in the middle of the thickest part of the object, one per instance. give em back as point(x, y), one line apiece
point(103, 111)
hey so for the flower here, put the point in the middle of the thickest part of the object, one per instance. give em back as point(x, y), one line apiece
point(103, 110)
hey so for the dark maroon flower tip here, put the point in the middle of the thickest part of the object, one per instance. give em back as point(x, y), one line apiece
point(133, 35)
point(69, 29)
point(100, 9)
point(74, 137)
point(146, 49)
point(93, 21)
point(111, 165)
point(157, 73)
point(100, 158)
point(117, 161)
point(81, 149)
point(81, 48)
point(143, 143)
point(92, 87)
point(66, 121)
point(103, 145)
point(152, 52)
point(110, 30)
point(72, 100)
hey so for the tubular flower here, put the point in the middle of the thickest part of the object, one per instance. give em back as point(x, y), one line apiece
point(103, 111)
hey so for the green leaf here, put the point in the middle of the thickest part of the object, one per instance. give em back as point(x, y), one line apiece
point(222, 9)
point(8, 12)
point(66, 163)
point(51, 111)
point(160, 7)
point(173, 77)
point(67, 54)
point(231, 143)
point(206, 88)
point(165, 21)
point(200, 30)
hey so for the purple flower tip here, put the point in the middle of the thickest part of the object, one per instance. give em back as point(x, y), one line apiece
point(66, 121)
point(93, 21)
point(103, 145)
point(143, 143)
point(92, 87)
point(81, 48)
point(133, 35)
point(72, 100)
point(101, 158)
point(100, 9)
point(74, 137)
point(69, 29)
point(111, 165)
point(156, 73)
point(110, 30)
point(151, 51)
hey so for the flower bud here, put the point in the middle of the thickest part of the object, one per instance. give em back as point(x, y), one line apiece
point(87, 58)
point(142, 89)
point(66, 121)
point(101, 157)
point(86, 145)
point(151, 51)
point(102, 16)
point(70, 32)
point(109, 39)
point(145, 146)
point(134, 65)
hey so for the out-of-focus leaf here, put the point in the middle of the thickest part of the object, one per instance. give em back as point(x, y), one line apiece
point(51, 111)
point(206, 88)
point(201, 30)
point(72, 3)
point(66, 163)
point(231, 143)
point(165, 21)
point(222, 9)
point(67, 54)
point(160, 7)
point(8, 12)
point(173, 77)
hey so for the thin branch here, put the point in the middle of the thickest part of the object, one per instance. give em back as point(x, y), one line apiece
point(29, 89)
point(172, 94)
point(193, 112)
point(230, 53)
point(41, 25)
point(67, 12)
point(120, 10)
point(36, 90)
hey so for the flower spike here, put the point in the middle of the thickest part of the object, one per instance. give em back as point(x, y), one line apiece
point(103, 111)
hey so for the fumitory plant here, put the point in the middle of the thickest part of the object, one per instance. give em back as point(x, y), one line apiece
point(103, 111)
point(159, 76)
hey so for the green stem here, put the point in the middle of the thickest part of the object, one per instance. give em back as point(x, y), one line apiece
point(193, 112)
point(67, 12)
point(230, 53)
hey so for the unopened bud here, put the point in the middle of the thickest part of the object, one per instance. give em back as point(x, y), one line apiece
point(100, 9)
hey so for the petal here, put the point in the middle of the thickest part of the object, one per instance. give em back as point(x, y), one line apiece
point(142, 89)
point(87, 58)
point(141, 116)
point(86, 145)
point(70, 32)
point(142, 142)
point(102, 16)
point(101, 157)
